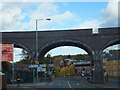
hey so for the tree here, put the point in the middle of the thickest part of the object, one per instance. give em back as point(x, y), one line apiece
point(6, 66)
point(25, 58)
point(48, 59)
point(72, 69)
point(25, 55)
point(57, 70)
point(48, 56)
point(69, 56)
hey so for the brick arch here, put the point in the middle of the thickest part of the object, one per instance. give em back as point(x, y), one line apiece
point(18, 45)
point(93, 43)
point(64, 42)
point(110, 43)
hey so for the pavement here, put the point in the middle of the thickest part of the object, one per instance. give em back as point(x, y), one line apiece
point(112, 83)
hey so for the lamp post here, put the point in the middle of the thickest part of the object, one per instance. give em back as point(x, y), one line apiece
point(37, 39)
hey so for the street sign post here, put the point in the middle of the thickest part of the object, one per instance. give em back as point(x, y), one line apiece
point(7, 56)
point(39, 68)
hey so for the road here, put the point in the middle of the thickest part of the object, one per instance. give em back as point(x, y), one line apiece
point(68, 82)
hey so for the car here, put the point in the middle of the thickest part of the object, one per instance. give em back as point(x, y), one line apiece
point(68, 75)
point(82, 75)
point(88, 76)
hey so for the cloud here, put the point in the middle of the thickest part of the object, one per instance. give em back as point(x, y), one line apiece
point(10, 15)
point(1, 6)
point(110, 14)
point(54, 0)
point(66, 50)
point(22, 16)
point(90, 24)
point(44, 10)
point(111, 11)
point(63, 17)
point(109, 17)
point(49, 10)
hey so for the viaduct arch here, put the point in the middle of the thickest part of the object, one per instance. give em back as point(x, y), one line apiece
point(67, 42)
point(110, 43)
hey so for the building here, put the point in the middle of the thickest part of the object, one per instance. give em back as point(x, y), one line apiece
point(65, 62)
point(112, 67)
point(82, 65)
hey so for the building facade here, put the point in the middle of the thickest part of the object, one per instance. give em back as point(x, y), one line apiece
point(112, 68)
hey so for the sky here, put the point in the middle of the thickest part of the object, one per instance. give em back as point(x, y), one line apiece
point(21, 15)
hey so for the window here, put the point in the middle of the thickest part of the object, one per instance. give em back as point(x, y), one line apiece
point(119, 67)
point(114, 67)
point(119, 73)
point(114, 61)
point(115, 73)
point(104, 67)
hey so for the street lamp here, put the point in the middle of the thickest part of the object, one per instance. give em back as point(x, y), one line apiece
point(37, 40)
point(37, 36)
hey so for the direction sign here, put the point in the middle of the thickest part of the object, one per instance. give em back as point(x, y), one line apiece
point(37, 65)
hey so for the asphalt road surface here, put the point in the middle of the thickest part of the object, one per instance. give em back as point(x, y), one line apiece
point(58, 83)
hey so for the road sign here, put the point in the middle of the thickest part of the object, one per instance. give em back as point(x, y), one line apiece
point(33, 66)
point(41, 69)
point(42, 65)
point(37, 65)
point(7, 52)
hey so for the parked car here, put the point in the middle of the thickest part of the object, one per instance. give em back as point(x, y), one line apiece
point(88, 76)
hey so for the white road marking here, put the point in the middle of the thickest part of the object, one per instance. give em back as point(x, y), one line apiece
point(78, 84)
point(40, 84)
point(51, 83)
point(59, 84)
point(69, 84)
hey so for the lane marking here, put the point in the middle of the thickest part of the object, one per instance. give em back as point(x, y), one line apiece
point(78, 84)
point(51, 83)
point(40, 83)
point(69, 84)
